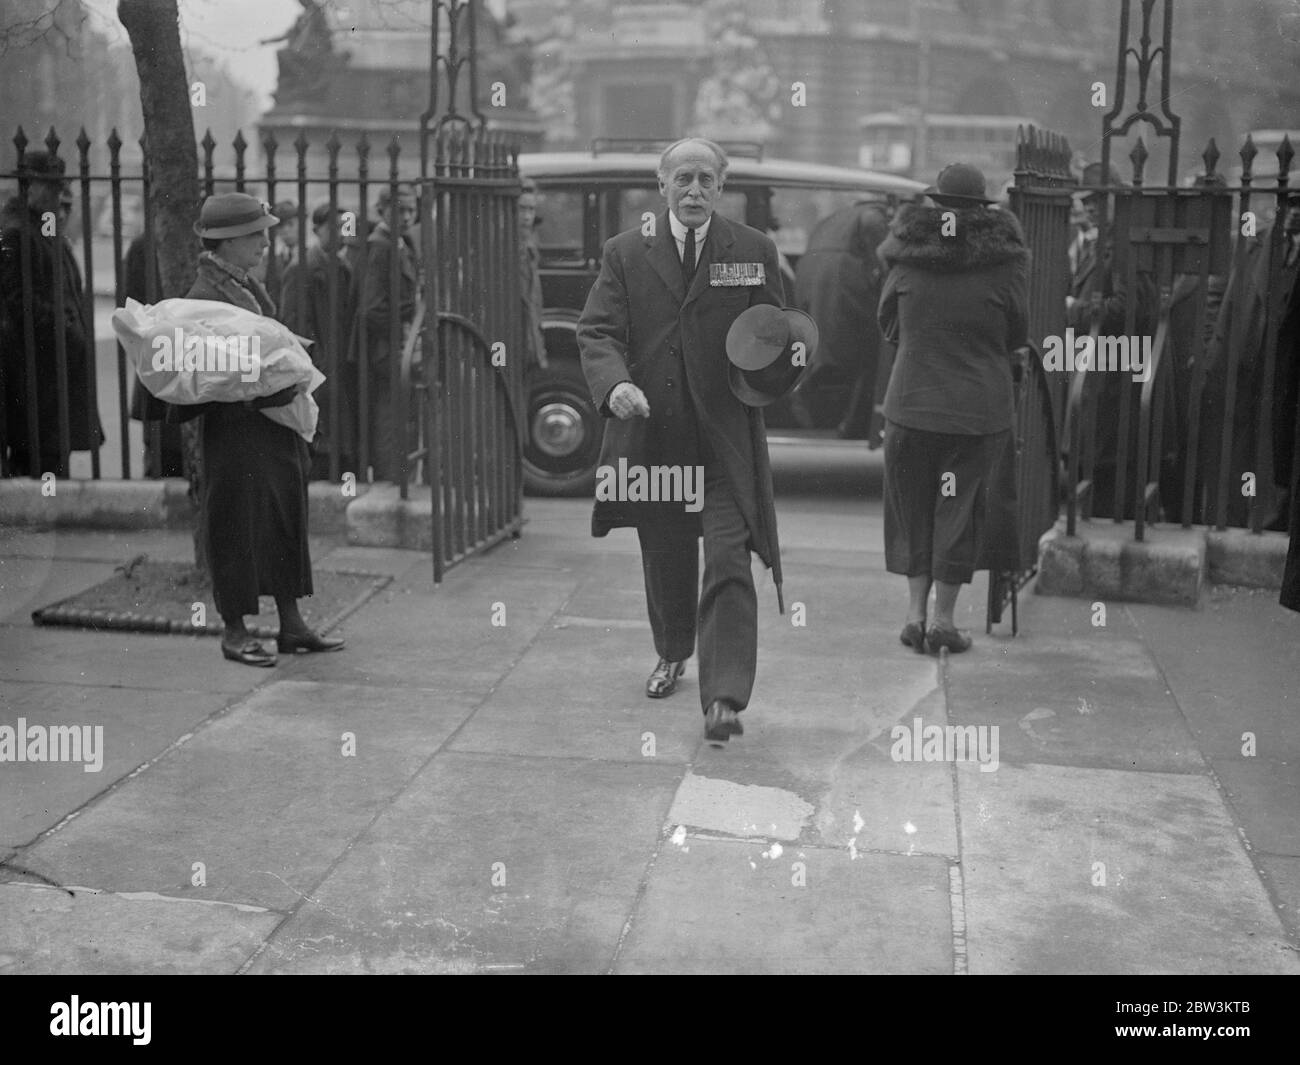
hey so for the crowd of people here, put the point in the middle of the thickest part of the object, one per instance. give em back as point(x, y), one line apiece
point(332, 291)
point(951, 278)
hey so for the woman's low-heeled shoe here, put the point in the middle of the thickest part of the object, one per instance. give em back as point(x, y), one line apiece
point(249, 652)
point(913, 636)
point(955, 640)
point(293, 642)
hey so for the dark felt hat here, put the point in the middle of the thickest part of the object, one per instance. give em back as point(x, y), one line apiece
point(321, 214)
point(761, 349)
point(959, 185)
point(1092, 179)
point(233, 214)
point(40, 164)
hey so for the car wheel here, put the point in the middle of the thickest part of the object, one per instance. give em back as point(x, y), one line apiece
point(564, 433)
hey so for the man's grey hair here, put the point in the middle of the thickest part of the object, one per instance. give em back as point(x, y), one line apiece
point(713, 146)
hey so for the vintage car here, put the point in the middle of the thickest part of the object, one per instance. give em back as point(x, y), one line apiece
point(584, 198)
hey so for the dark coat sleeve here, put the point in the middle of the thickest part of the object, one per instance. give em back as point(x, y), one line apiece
point(887, 315)
point(1018, 309)
point(603, 330)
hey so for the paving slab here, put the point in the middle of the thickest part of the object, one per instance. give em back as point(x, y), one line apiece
point(1094, 700)
point(1281, 876)
point(266, 796)
point(1265, 798)
point(1180, 894)
point(137, 725)
point(567, 843)
point(116, 659)
point(412, 634)
point(724, 906)
point(579, 692)
point(45, 931)
point(1232, 666)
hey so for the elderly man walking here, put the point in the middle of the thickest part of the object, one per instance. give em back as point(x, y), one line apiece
point(653, 338)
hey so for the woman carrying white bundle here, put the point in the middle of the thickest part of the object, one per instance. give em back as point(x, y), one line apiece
point(254, 470)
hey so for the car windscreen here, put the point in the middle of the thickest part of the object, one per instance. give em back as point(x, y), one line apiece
point(559, 229)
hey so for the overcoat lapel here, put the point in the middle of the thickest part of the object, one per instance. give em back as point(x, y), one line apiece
point(662, 254)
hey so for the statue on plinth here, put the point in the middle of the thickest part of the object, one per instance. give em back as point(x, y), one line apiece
point(308, 60)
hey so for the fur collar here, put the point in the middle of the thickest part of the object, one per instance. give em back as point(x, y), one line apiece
point(984, 238)
point(234, 284)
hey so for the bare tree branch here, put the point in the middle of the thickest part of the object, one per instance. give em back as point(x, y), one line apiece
point(50, 23)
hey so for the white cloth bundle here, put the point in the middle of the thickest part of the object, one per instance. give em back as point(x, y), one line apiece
point(202, 351)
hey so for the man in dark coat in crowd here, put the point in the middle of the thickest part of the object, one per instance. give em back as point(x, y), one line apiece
point(1241, 326)
point(326, 322)
point(1094, 273)
point(530, 278)
point(284, 250)
point(838, 283)
point(137, 265)
point(653, 342)
point(1286, 398)
point(32, 231)
point(372, 312)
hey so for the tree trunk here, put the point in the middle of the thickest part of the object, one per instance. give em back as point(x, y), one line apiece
point(172, 159)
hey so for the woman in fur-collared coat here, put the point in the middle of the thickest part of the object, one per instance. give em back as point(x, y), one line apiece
point(956, 304)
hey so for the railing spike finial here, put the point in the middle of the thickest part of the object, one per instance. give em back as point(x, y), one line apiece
point(1211, 158)
point(1285, 156)
point(1139, 156)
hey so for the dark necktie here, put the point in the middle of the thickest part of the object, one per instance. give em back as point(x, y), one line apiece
point(688, 258)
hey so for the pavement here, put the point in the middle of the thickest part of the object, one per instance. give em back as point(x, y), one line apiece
point(478, 783)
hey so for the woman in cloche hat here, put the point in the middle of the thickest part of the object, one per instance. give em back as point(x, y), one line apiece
point(254, 470)
point(956, 304)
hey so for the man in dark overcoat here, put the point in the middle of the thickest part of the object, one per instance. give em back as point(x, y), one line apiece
point(28, 233)
point(372, 296)
point(652, 337)
point(838, 283)
point(1094, 272)
point(308, 310)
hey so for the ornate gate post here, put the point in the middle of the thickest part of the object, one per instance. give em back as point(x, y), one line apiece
point(471, 342)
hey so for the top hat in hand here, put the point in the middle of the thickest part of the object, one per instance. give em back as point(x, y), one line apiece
point(762, 349)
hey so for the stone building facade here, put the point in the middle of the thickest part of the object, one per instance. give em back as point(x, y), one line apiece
point(635, 66)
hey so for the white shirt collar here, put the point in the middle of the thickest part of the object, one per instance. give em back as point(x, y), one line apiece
point(679, 230)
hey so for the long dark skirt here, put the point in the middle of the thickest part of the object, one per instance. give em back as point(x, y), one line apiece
point(941, 490)
point(255, 495)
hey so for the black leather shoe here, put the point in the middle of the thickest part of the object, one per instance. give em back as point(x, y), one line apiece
point(721, 722)
point(953, 639)
point(913, 636)
point(246, 650)
point(663, 681)
point(293, 642)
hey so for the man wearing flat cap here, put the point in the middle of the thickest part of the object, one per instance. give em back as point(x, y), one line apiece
point(28, 236)
point(653, 337)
